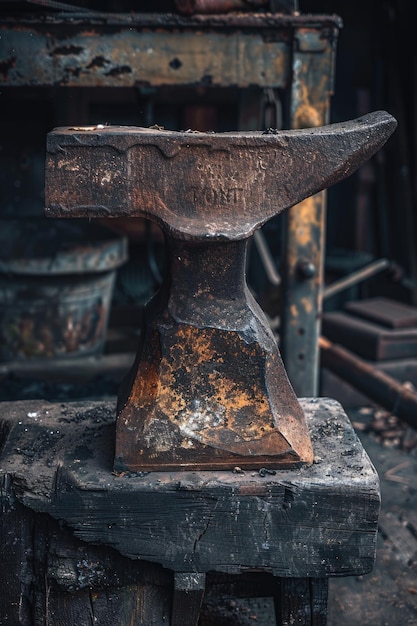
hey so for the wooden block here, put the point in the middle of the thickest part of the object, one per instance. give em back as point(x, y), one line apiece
point(188, 597)
point(49, 577)
point(368, 339)
point(318, 521)
point(385, 311)
point(301, 601)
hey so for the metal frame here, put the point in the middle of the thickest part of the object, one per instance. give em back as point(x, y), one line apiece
point(311, 88)
point(294, 53)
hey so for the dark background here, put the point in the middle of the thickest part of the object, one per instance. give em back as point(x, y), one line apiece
point(376, 69)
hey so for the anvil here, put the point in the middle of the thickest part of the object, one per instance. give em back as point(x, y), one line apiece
point(208, 389)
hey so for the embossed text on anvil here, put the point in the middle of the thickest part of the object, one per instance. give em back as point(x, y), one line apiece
point(216, 195)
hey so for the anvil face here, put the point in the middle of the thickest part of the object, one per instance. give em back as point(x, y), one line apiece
point(208, 389)
point(201, 185)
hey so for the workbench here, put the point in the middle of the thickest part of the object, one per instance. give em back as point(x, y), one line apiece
point(80, 542)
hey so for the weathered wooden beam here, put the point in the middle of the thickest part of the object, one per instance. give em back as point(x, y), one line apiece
point(302, 601)
point(81, 544)
point(188, 596)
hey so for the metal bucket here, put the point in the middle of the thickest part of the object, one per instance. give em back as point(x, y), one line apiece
point(56, 285)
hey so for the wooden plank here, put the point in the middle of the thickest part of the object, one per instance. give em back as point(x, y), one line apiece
point(301, 601)
point(16, 525)
point(385, 311)
point(292, 603)
point(319, 591)
point(48, 577)
point(370, 340)
point(188, 596)
point(133, 604)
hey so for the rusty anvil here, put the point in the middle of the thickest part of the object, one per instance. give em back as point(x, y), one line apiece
point(208, 389)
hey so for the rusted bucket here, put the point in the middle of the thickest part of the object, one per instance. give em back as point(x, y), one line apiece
point(56, 285)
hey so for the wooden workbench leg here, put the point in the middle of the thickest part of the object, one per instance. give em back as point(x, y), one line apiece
point(301, 601)
point(188, 597)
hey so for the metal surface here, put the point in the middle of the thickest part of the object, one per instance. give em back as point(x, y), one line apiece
point(311, 88)
point(208, 389)
point(122, 50)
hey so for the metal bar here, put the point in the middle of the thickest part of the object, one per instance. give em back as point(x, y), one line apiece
point(266, 258)
point(390, 393)
point(126, 57)
point(311, 87)
point(355, 277)
point(120, 50)
point(172, 21)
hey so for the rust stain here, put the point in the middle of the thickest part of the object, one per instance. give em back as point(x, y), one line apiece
point(306, 115)
point(208, 390)
point(303, 220)
point(294, 311)
point(307, 304)
point(253, 490)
